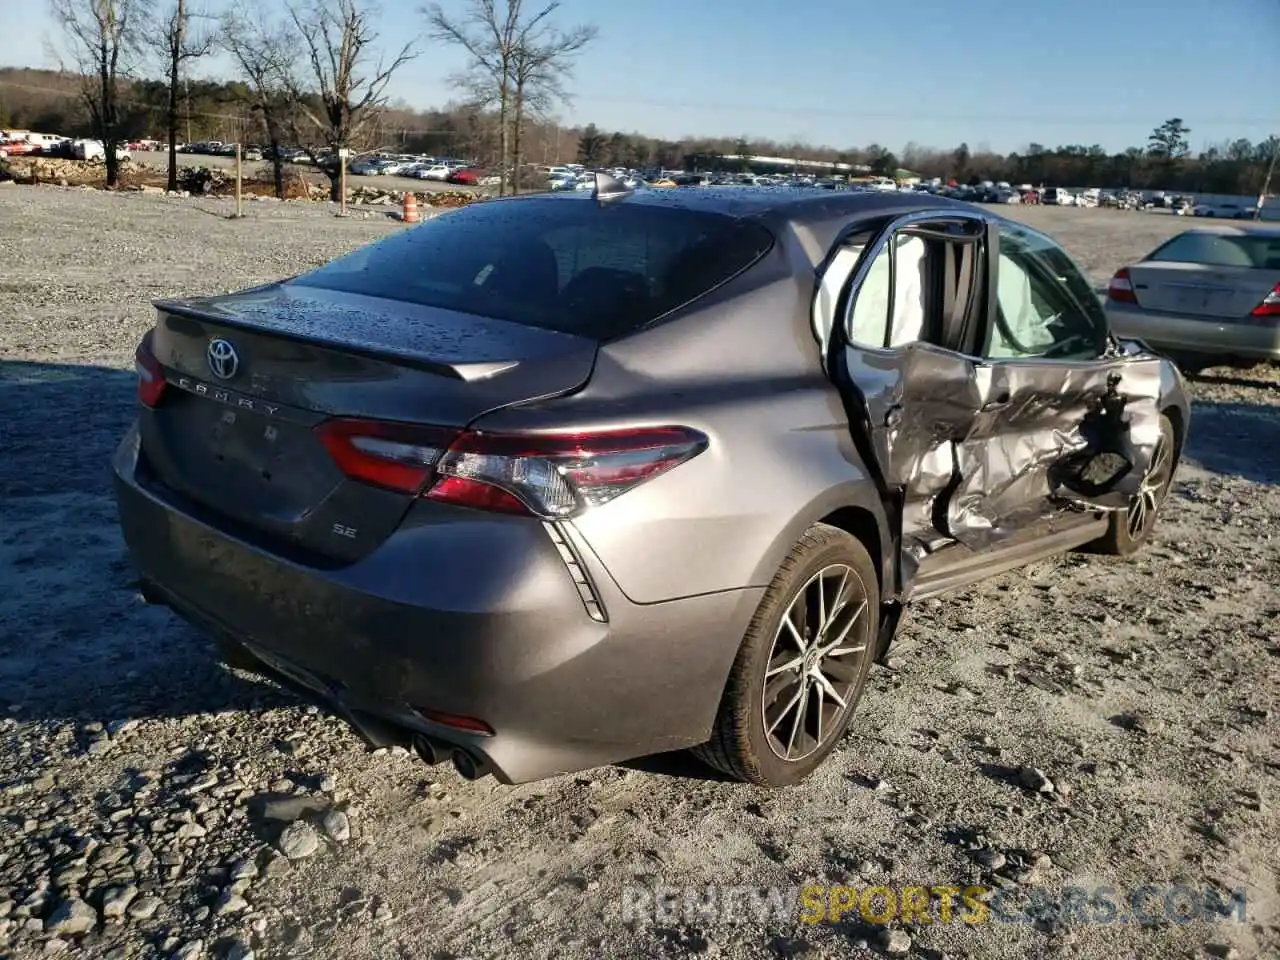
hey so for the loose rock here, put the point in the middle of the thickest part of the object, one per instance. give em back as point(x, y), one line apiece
point(70, 918)
point(336, 826)
point(116, 900)
point(298, 840)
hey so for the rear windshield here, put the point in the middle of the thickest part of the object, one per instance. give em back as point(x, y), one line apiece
point(1222, 250)
point(564, 264)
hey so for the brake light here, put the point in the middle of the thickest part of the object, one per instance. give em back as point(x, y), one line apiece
point(558, 475)
point(544, 475)
point(1269, 307)
point(1121, 288)
point(395, 456)
point(151, 382)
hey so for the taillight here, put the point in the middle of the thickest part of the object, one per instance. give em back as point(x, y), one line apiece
point(559, 475)
point(1121, 288)
point(396, 456)
point(1270, 307)
point(544, 475)
point(151, 381)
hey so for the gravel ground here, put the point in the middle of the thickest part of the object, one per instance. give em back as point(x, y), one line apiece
point(1084, 722)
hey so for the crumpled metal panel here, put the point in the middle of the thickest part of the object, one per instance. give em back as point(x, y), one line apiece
point(1014, 433)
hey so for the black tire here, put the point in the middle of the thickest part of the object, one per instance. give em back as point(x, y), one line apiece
point(740, 746)
point(1127, 532)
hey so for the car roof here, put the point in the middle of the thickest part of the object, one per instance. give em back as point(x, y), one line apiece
point(801, 205)
point(1236, 230)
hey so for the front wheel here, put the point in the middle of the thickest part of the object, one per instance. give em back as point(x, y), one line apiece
point(1130, 528)
point(802, 665)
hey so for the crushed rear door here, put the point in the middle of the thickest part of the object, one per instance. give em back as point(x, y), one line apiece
point(975, 450)
point(980, 449)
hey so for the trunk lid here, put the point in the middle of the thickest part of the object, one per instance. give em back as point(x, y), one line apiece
point(239, 448)
point(1211, 292)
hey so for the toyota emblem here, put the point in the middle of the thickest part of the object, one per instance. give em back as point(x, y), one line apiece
point(223, 359)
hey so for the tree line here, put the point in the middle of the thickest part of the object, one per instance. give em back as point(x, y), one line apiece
point(314, 79)
point(1165, 162)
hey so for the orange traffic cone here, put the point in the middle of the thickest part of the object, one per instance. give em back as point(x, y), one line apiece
point(410, 214)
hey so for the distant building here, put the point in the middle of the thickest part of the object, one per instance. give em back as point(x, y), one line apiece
point(774, 164)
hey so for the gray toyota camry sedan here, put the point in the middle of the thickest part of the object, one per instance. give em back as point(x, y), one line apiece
point(551, 482)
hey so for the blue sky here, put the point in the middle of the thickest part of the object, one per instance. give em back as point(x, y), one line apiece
point(999, 73)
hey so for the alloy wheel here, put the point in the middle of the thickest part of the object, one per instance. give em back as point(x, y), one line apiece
point(1146, 502)
point(814, 663)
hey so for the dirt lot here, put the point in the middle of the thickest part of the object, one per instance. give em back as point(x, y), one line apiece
point(143, 787)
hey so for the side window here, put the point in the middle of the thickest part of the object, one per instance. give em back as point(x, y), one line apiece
point(1045, 307)
point(873, 321)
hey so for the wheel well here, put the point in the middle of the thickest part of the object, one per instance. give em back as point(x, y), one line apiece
point(861, 524)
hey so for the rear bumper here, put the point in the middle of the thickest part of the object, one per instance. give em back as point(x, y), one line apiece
point(1208, 337)
point(458, 613)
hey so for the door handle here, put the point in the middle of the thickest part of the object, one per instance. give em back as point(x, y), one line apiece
point(999, 403)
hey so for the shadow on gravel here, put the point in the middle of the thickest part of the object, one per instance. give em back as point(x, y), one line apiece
point(1228, 380)
point(76, 640)
point(679, 764)
point(1237, 439)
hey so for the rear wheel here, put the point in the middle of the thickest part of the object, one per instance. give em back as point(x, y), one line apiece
point(1130, 528)
point(802, 666)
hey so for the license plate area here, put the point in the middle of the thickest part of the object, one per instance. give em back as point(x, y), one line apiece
point(246, 443)
point(248, 464)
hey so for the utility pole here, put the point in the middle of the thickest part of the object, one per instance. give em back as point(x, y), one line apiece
point(343, 153)
point(1266, 183)
point(239, 212)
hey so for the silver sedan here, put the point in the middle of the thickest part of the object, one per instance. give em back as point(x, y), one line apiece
point(1208, 296)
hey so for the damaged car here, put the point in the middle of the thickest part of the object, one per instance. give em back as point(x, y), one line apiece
point(552, 482)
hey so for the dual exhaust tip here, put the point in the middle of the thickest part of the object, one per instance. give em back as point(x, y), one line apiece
point(434, 752)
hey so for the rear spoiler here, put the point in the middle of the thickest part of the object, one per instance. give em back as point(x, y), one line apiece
point(184, 310)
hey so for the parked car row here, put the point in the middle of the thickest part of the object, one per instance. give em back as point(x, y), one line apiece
point(25, 143)
point(441, 169)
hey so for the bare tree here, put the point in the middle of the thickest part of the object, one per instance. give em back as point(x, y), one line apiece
point(337, 93)
point(487, 33)
point(541, 65)
point(262, 50)
point(177, 42)
point(103, 38)
point(515, 61)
